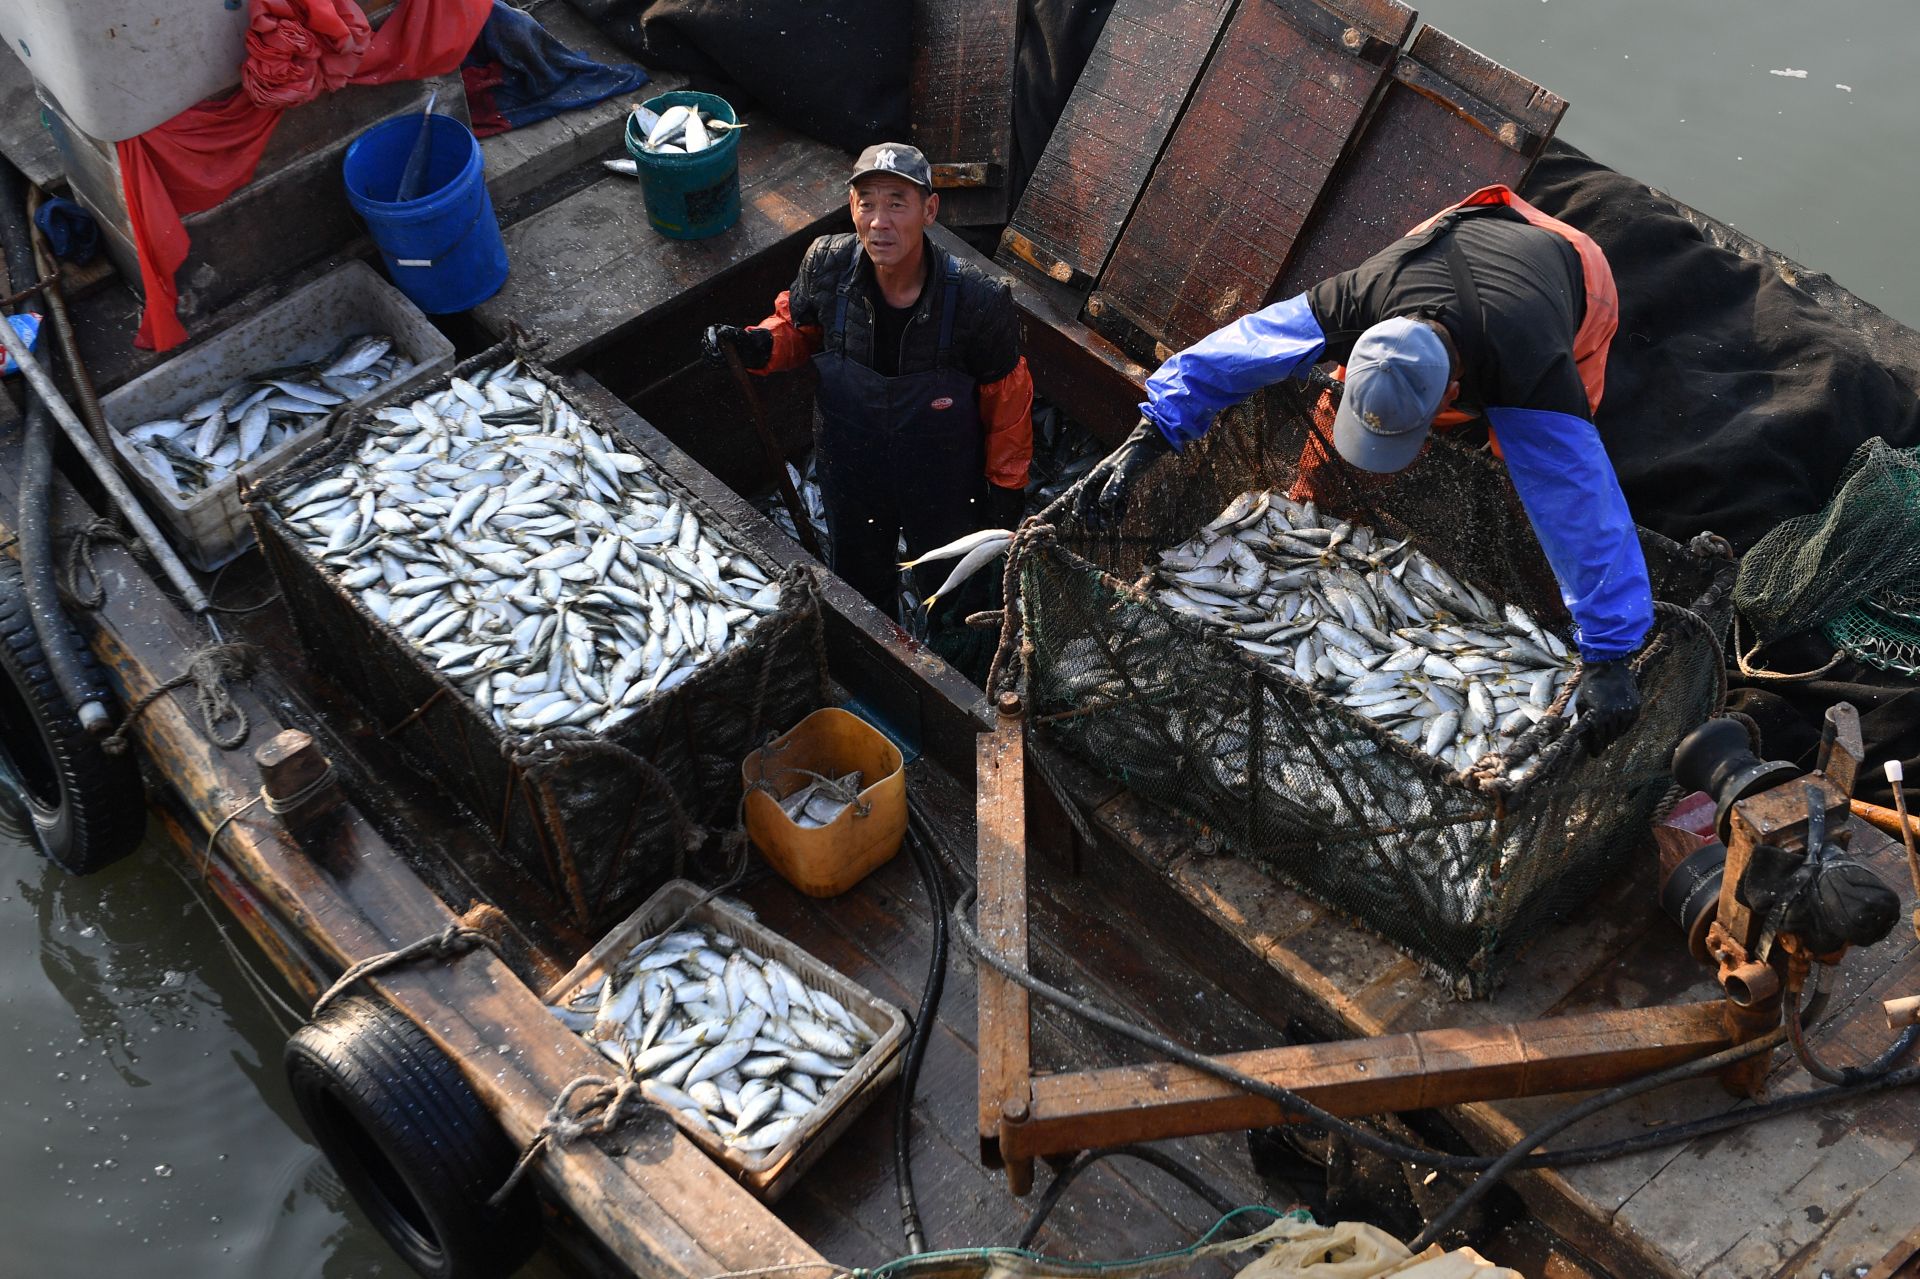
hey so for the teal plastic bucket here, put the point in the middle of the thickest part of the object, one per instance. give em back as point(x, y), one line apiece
point(442, 249)
point(689, 197)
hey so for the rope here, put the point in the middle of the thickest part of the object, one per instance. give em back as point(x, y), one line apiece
point(281, 807)
point(451, 942)
point(612, 1103)
point(208, 670)
point(80, 558)
point(1000, 678)
point(1786, 677)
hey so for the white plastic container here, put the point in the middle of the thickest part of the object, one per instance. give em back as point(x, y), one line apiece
point(211, 527)
point(119, 67)
point(769, 1174)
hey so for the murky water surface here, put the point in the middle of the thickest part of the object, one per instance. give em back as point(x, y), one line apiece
point(144, 1122)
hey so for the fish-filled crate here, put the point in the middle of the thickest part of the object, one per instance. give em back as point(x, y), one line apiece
point(761, 1053)
point(1361, 683)
point(558, 631)
point(193, 430)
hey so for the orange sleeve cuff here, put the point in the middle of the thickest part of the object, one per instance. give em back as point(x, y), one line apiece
point(1006, 410)
point(793, 344)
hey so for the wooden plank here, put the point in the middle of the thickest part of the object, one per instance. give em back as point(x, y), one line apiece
point(1103, 148)
point(1279, 105)
point(961, 102)
point(1450, 121)
point(1387, 1073)
point(1005, 1053)
point(590, 267)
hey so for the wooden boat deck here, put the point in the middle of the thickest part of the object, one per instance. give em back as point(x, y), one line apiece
point(1207, 949)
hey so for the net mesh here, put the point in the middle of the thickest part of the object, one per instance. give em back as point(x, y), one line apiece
point(1457, 868)
point(591, 823)
point(1809, 572)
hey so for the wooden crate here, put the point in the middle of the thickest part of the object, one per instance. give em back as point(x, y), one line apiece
point(770, 1174)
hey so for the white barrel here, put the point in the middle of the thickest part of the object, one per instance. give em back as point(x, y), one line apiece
point(119, 67)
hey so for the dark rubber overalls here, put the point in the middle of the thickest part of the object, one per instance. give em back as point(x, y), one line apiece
point(897, 455)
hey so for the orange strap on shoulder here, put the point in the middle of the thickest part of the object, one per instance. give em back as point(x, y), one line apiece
point(1602, 317)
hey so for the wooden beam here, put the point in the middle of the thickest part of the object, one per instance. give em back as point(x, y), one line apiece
point(1094, 1109)
point(1279, 105)
point(1005, 1033)
point(961, 102)
point(1451, 121)
point(1104, 146)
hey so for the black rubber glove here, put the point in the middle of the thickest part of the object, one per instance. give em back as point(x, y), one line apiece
point(754, 345)
point(1609, 703)
point(1004, 507)
point(1103, 496)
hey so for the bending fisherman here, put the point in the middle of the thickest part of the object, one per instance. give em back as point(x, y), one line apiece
point(1488, 310)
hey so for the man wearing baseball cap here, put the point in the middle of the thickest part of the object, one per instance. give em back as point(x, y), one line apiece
point(923, 416)
point(1490, 310)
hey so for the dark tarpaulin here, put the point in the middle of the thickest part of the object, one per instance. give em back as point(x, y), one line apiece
point(1056, 38)
point(834, 69)
point(1734, 399)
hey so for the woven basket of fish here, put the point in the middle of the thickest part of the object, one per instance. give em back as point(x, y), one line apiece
point(557, 630)
point(760, 1052)
point(1363, 683)
point(219, 414)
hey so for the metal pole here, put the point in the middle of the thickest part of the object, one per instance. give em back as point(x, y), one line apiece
point(802, 526)
point(103, 470)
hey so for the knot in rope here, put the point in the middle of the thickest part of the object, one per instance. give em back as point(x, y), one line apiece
point(451, 942)
point(208, 670)
point(80, 560)
point(611, 1103)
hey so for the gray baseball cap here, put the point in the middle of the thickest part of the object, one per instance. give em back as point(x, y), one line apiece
point(1396, 378)
point(894, 160)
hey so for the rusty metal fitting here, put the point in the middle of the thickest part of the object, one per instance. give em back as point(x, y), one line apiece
point(1750, 984)
point(1008, 704)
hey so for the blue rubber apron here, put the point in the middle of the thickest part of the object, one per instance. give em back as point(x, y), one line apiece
point(902, 454)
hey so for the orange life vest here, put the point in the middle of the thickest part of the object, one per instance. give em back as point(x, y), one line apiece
point(1602, 316)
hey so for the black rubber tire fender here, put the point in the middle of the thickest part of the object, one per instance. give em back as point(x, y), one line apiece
point(88, 808)
point(418, 1151)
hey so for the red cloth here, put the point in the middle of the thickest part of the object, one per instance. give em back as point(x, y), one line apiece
point(483, 113)
point(296, 49)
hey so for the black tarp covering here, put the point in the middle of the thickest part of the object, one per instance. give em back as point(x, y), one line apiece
point(1739, 385)
point(834, 69)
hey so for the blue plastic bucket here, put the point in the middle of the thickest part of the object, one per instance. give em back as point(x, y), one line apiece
point(443, 249)
point(689, 197)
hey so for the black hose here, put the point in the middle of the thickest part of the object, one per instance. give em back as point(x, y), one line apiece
point(34, 517)
point(1879, 1066)
point(1216, 1200)
point(923, 1023)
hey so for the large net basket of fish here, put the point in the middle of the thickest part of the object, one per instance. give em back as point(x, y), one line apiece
point(558, 632)
point(1372, 695)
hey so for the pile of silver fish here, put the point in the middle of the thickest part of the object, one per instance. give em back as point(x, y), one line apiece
point(822, 800)
point(732, 1040)
point(532, 560)
point(681, 130)
point(1371, 622)
point(225, 431)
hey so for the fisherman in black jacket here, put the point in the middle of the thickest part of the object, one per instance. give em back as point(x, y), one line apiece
point(923, 416)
